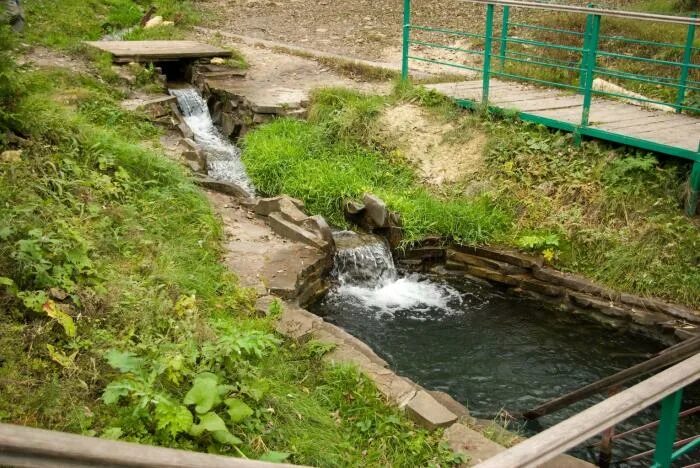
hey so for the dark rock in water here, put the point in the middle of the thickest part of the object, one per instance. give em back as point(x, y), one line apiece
point(375, 210)
point(229, 188)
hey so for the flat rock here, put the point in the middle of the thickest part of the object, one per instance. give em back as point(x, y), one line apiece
point(471, 443)
point(573, 282)
point(427, 412)
point(506, 256)
point(318, 225)
point(296, 323)
point(266, 206)
point(293, 232)
point(228, 188)
point(467, 259)
point(450, 403)
point(491, 275)
point(289, 210)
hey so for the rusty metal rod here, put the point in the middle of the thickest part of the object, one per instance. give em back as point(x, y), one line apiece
point(654, 424)
point(639, 456)
point(687, 349)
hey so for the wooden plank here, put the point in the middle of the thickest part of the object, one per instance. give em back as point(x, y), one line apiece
point(26, 446)
point(513, 96)
point(558, 439)
point(684, 350)
point(672, 126)
point(636, 122)
point(158, 50)
point(546, 104)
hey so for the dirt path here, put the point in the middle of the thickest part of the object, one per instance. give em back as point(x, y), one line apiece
point(369, 29)
point(273, 69)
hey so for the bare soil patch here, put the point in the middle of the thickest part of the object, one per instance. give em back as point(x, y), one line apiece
point(426, 142)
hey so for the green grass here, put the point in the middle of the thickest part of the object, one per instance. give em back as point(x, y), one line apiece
point(612, 214)
point(115, 308)
point(323, 163)
point(64, 24)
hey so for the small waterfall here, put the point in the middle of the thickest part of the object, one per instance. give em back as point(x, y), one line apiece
point(366, 274)
point(223, 158)
point(362, 259)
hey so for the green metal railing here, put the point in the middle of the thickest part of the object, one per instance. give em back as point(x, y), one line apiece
point(665, 387)
point(664, 73)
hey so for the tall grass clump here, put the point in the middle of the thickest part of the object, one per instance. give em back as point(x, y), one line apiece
point(334, 157)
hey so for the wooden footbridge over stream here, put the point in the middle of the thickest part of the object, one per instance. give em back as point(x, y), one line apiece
point(557, 77)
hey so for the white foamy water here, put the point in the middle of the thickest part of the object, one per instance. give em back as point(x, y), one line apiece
point(223, 158)
point(367, 275)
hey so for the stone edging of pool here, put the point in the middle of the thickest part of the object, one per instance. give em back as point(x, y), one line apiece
point(528, 275)
point(429, 409)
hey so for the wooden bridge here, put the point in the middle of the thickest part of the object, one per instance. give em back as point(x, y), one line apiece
point(563, 78)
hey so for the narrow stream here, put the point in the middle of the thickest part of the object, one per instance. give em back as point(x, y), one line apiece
point(490, 350)
point(223, 158)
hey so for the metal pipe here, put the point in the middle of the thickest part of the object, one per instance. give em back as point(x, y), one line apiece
point(487, 55)
point(598, 11)
point(406, 39)
point(687, 54)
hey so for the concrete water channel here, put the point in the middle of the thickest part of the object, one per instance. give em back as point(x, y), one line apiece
point(494, 352)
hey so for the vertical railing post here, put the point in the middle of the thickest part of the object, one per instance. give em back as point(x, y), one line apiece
point(589, 68)
point(504, 37)
point(488, 36)
point(691, 207)
point(406, 39)
point(687, 55)
point(666, 434)
point(584, 54)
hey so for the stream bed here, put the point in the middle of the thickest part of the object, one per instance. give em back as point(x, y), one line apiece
point(490, 350)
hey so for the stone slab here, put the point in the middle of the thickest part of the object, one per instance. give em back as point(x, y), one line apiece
point(153, 51)
point(293, 232)
point(427, 412)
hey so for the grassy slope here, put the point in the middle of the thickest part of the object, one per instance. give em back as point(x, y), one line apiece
point(614, 215)
point(116, 317)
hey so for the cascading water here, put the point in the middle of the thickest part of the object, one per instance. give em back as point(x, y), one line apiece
point(365, 271)
point(223, 158)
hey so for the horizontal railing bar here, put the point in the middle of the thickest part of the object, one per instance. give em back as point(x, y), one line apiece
point(649, 453)
point(650, 101)
point(27, 446)
point(595, 11)
point(535, 80)
point(447, 64)
point(545, 28)
point(602, 36)
point(643, 42)
point(554, 441)
point(441, 46)
point(686, 448)
point(630, 75)
point(553, 60)
point(540, 43)
point(670, 84)
point(544, 64)
point(446, 31)
point(644, 59)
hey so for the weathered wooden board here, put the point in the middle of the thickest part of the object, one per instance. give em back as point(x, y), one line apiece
point(154, 51)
